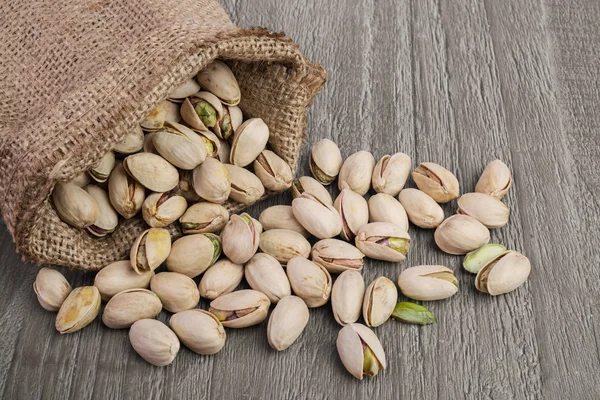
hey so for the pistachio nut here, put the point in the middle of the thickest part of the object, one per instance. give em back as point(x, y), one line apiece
point(152, 171)
point(218, 79)
point(130, 305)
point(204, 217)
point(162, 209)
point(309, 281)
point(107, 219)
point(74, 205)
point(212, 181)
point(284, 244)
point(81, 179)
point(354, 212)
point(186, 89)
point(154, 342)
point(383, 241)
point(356, 172)
point(385, 208)
point(132, 142)
point(164, 111)
point(360, 351)
point(220, 279)
point(212, 143)
point(180, 146)
point(436, 181)
point(249, 141)
point(337, 256)
point(265, 274)
point(223, 127)
point(281, 217)
point(224, 152)
point(51, 288)
point(240, 238)
point(422, 210)
point(191, 255)
point(503, 274)
point(185, 187)
point(320, 219)
point(102, 169)
point(495, 180)
point(125, 193)
point(390, 174)
point(286, 323)
point(119, 276)
point(325, 161)
point(241, 309)
point(306, 184)
point(199, 331)
point(428, 282)
point(246, 188)
point(150, 249)
point(411, 313)
point(78, 310)
point(274, 173)
point(347, 297)
point(488, 210)
point(460, 234)
point(177, 292)
point(379, 301)
point(149, 143)
point(476, 259)
point(237, 118)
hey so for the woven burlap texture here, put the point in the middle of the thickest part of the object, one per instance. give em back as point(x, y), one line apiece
point(78, 75)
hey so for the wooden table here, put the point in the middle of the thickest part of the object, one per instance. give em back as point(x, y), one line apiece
point(459, 83)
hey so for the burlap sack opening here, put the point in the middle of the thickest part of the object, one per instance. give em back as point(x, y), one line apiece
point(76, 127)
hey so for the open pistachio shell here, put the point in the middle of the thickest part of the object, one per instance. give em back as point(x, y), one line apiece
point(102, 169)
point(495, 180)
point(176, 292)
point(390, 173)
point(360, 351)
point(74, 205)
point(212, 143)
point(246, 188)
point(347, 297)
point(218, 79)
point(191, 255)
point(164, 111)
point(422, 210)
point(306, 184)
point(354, 211)
point(287, 321)
point(154, 342)
point(119, 276)
point(241, 237)
point(383, 241)
point(186, 89)
point(204, 217)
point(249, 141)
point(379, 301)
point(503, 274)
point(125, 193)
point(428, 282)
point(132, 142)
point(320, 219)
point(284, 244)
point(241, 309)
point(325, 161)
point(460, 234)
point(436, 181)
point(274, 173)
point(356, 172)
point(150, 249)
point(185, 187)
point(265, 274)
point(309, 281)
point(224, 152)
point(129, 306)
point(199, 330)
point(385, 208)
point(78, 310)
point(162, 209)
point(152, 171)
point(281, 217)
point(51, 288)
point(107, 219)
point(237, 117)
point(486, 209)
point(337, 256)
point(180, 146)
point(220, 279)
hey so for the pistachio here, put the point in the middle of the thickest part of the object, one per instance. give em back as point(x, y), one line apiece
point(287, 321)
point(154, 342)
point(241, 237)
point(180, 146)
point(422, 210)
point(201, 110)
point(186, 89)
point(309, 281)
point(220, 279)
point(356, 172)
point(337, 256)
point(383, 241)
point(149, 143)
point(193, 254)
point(306, 184)
point(390, 174)
point(240, 309)
point(81, 179)
point(354, 212)
point(360, 351)
point(119, 276)
point(281, 217)
point(128, 306)
point(249, 141)
point(411, 313)
point(102, 169)
point(224, 152)
point(150, 249)
point(199, 330)
point(246, 188)
point(212, 181)
point(237, 118)
point(264, 273)
point(488, 210)
point(78, 310)
point(51, 289)
point(495, 180)
point(284, 244)
point(218, 79)
point(185, 187)
point(162, 209)
point(325, 161)
point(107, 219)
point(347, 297)
point(223, 127)
point(320, 219)
point(204, 218)
point(126, 194)
point(436, 181)
point(503, 274)
point(385, 208)
point(132, 142)
point(212, 143)
point(460, 234)
point(379, 301)
point(177, 292)
point(428, 282)
point(164, 111)
point(74, 205)
point(152, 171)
point(476, 259)
point(274, 173)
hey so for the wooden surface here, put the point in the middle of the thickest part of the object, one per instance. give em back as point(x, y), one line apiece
point(454, 82)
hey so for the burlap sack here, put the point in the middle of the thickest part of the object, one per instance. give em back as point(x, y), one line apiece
point(78, 74)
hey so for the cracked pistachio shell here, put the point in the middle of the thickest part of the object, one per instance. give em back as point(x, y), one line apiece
point(107, 219)
point(164, 111)
point(383, 241)
point(309, 281)
point(503, 274)
point(218, 79)
point(102, 169)
point(223, 127)
point(185, 187)
point(150, 249)
point(220, 279)
point(152, 171)
point(390, 173)
point(379, 301)
point(125, 193)
point(241, 309)
point(191, 255)
point(360, 351)
point(204, 217)
point(286, 323)
point(422, 210)
point(347, 297)
point(436, 181)
point(177, 292)
point(284, 244)
point(199, 331)
point(460, 234)
point(162, 209)
point(128, 306)
point(495, 180)
point(74, 205)
point(132, 142)
point(306, 184)
point(246, 188)
point(237, 117)
point(281, 217)
point(337, 256)
point(212, 181)
point(325, 161)
point(356, 172)
point(249, 141)
point(154, 342)
point(78, 310)
point(428, 282)
point(385, 208)
point(180, 146)
point(274, 173)
point(240, 238)
point(476, 259)
point(51, 289)
point(212, 143)
point(320, 219)
point(265, 274)
point(224, 151)
point(119, 276)
point(81, 180)
point(488, 210)
point(354, 212)
point(186, 89)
